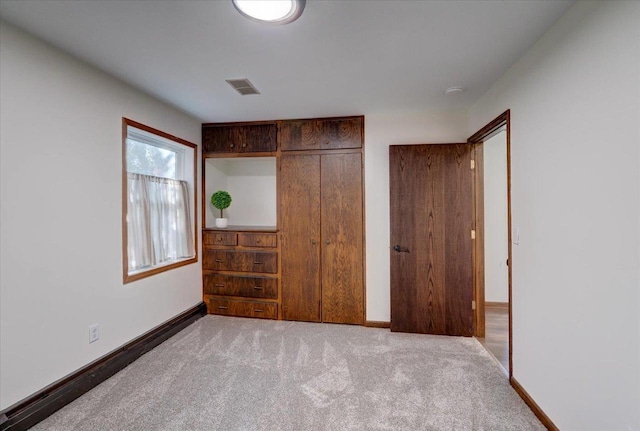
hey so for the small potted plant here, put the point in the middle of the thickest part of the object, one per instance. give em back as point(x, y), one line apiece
point(221, 200)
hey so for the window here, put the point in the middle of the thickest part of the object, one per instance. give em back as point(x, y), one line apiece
point(158, 192)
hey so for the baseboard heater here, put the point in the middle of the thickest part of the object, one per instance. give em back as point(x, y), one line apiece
point(28, 412)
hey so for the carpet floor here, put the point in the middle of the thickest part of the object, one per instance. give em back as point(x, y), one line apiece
point(225, 373)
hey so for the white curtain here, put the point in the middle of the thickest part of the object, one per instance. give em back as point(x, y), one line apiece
point(158, 221)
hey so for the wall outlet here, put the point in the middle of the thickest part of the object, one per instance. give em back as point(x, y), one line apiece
point(94, 333)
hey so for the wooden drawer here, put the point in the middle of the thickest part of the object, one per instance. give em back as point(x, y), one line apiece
point(243, 261)
point(257, 240)
point(229, 307)
point(219, 238)
point(231, 285)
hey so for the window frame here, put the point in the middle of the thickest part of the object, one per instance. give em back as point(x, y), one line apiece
point(140, 274)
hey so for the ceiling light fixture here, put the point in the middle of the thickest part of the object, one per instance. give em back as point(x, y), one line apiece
point(270, 11)
point(454, 90)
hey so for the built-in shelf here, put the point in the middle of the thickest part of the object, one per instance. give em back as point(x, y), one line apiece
point(244, 228)
point(251, 181)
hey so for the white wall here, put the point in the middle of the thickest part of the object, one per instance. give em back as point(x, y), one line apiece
point(496, 242)
point(575, 108)
point(61, 249)
point(215, 180)
point(382, 130)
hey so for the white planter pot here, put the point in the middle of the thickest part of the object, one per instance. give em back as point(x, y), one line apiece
point(222, 223)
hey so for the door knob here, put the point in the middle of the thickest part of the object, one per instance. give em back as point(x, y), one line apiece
point(328, 242)
point(313, 242)
point(400, 249)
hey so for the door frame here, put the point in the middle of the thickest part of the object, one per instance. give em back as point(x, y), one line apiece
point(476, 141)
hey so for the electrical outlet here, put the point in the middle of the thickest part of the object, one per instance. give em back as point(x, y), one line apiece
point(94, 333)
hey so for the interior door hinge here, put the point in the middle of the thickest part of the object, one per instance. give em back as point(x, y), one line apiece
point(473, 234)
point(473, 305)
point(473, 164)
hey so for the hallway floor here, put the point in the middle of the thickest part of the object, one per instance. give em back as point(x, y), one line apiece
point(496, 339)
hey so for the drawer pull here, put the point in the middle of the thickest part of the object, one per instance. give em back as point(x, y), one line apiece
point(258, 241)
point(222, 307)
point(258, 310)
point(220, 260)
point(258, 262)
point(244, 145)
point(220, 239)
point(258, 287)
point(231, 146)
point(219, 285)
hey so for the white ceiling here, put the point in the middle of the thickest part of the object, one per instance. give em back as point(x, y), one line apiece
point(340, 58)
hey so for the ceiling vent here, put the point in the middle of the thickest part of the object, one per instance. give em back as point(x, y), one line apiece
point(243, 86)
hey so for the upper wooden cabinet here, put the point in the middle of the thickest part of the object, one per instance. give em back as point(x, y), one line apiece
point(239, 138)
point(320, 134)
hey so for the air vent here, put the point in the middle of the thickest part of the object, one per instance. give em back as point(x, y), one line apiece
point(243, 86)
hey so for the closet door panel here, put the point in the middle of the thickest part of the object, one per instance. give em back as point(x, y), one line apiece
point(300, 226)
point(342, 239)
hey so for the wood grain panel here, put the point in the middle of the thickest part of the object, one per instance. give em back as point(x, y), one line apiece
point(340, 133)
point(235, 285)
point(219, 139)
point(298, 135)
point(459, 221)
point(230, 307)
point(342, 242)
point(300, 227)
point(243, 261)
point(257, 138)
point(321, 133)
point(478, 252)
point(239, 138)
point(257, 240)
point(431, 221)
point(218, 238)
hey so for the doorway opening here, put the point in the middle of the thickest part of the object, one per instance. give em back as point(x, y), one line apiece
point(492, 251)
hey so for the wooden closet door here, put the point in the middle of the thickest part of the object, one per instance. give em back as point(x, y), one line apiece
point(342, 242)
point(300, 225)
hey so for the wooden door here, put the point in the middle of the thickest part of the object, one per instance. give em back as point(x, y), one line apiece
point(340, 133)
point(298, 135)
point(342, 242)
point(300, 225)
point(431, 245)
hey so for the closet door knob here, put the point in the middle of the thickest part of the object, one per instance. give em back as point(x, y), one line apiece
point(328, 242)
point(313, 242)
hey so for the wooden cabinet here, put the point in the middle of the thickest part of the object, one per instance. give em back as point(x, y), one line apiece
point(322, 233)
point(311, 267)
point(239, 138)
point(240, 273)
point(320, 134)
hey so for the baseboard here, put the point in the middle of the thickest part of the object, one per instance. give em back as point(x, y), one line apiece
point(501, 305)
point(376, 324)
point(535, 408)
point(28, 412)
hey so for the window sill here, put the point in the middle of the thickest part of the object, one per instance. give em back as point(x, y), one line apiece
point(147, 272)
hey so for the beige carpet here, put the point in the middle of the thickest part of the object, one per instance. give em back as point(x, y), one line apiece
point(224, 373)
